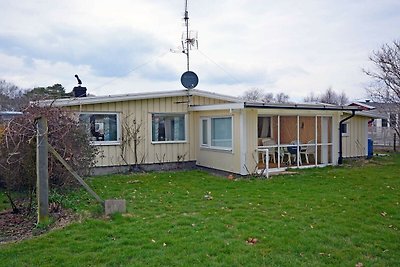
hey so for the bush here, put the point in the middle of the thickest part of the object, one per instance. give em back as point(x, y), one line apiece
point(18, 149)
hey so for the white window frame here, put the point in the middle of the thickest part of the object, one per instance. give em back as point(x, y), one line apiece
point(169, 114)
point(208, 144)
point(106, 143)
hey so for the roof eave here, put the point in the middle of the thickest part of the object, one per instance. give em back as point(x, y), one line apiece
point(300, 107)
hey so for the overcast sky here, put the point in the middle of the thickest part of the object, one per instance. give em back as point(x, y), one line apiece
point(295, 47)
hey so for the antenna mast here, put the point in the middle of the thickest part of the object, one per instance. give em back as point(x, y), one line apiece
point(189, 79)
point(186, 48)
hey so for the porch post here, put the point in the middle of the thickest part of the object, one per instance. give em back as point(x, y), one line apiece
point(243, 142)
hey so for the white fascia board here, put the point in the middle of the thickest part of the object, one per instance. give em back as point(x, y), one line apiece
point(217, 107)
point(215, 96)
point(76, 101)
point(111, 98)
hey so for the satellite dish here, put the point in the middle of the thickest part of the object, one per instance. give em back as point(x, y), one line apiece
point(189, 80)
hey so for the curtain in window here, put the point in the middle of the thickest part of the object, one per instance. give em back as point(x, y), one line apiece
point(264, 127)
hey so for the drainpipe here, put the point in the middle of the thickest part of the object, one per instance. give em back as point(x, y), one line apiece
point(340, 160)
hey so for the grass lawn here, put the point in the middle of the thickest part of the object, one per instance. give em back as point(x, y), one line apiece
point(335, 216)
point(4, 204)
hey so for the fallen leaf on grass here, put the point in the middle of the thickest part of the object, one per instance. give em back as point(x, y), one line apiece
point(251, 241)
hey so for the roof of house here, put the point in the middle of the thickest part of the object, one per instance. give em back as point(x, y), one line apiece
point(305, 106)
point(137, 96)
point(234, 102)
point(365, 105)
point(368, 113)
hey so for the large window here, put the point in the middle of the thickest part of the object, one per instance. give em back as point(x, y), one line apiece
point(216, 133)
point(102, 128)
point(168, 128)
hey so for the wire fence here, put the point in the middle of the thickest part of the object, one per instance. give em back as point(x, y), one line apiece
point(384, 137)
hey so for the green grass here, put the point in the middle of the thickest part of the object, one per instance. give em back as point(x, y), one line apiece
point(4, 204)
point(320, 217)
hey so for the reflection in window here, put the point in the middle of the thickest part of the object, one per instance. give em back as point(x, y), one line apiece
point(216, 132)
point(101, 127)
point(168, 127)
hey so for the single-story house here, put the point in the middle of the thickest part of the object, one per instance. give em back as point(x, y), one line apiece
point(216, 131)
point(386, 119)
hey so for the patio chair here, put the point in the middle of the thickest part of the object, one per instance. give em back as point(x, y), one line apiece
point(293, 151)
point(285, 153)
point(308, 150)
point(271, 150)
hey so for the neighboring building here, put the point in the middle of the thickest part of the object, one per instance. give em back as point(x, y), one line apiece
point(8, 115)
point(215, 131)
point(386, 118)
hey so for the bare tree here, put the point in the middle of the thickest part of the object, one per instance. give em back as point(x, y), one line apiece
point(12, 97)
point(254, 95)
point(258, 95)
point(385, 87)
point(282, 98)
point(18, 151)
point(329, 97)
point(131, 138)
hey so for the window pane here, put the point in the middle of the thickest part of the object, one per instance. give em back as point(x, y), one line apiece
point(221, 132)
point(101, 127)
point(168, 127)
point(384, 123)
point(264, 127)
point(344, 128)
point(204, 126)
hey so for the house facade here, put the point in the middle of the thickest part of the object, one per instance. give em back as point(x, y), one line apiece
point(214, 131)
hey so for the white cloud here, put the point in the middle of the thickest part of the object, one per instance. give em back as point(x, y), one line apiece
point(122, 46)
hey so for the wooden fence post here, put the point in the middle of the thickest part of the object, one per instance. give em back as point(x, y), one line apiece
point(42, 174)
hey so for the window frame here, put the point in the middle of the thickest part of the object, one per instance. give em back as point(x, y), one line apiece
point(347, 133)
point(118, 120)
point(185, 119)
point(208, 145)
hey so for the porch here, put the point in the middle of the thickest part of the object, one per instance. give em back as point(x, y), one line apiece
point(294, 141)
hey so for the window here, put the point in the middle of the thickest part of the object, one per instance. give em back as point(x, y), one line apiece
point(204, 127)
point(102, 128)
point(264, 127)
point(384, 123)
point(216, 133)
point(345, 129)
point(168, 128)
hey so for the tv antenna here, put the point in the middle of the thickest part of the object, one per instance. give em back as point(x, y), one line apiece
point(189, 40)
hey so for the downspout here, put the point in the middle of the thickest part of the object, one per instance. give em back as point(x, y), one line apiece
point(340, 160)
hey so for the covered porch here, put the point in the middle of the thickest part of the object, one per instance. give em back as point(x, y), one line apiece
point(294, 141)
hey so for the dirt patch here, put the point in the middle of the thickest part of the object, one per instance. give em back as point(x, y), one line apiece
point(19, 226)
